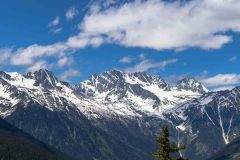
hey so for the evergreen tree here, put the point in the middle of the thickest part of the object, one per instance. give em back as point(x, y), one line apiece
point(166, 149)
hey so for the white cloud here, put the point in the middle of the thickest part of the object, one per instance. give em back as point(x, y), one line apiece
point(214, 83)
point(145, 65)
point(221, 80)
point(166, 25)
point(96, 41)
point(5, 54)
point(38, 65)
point(126, 59)
point(129, 59)
point(54, 22)
point(71, 12)
point(56, 30)
point(68, 74)
point(154, 24)
point(64, 61)
point(29, 55)
point(233, 58)
point(223, 88)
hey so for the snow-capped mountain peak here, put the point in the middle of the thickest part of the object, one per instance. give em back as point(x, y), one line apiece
point(139, 88)
point(43, 77)
point(109, 80)
point(190, 84)
point(4, 75)
point(40, 86)
point(113, 90)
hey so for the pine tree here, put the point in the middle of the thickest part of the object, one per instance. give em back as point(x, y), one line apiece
point(166, 149)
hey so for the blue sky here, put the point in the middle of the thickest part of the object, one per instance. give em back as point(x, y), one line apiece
point(75, 39)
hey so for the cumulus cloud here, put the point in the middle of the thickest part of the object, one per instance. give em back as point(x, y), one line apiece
point(163, 25)
point(29, 55)
point(71, 12)
point(147, 64)
point(68, 74)
point(214, 83)
point(155, 24)
point(54, 22)
point(222, 80)
point(5, 54)
point(232, 59)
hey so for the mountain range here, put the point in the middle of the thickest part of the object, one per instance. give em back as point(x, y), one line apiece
point(116, 115)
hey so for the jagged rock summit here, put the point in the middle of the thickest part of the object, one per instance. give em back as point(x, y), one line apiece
point(192, 85)
point(140, 89)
